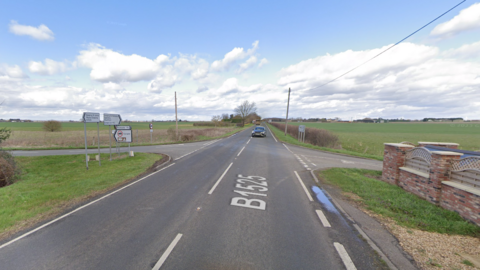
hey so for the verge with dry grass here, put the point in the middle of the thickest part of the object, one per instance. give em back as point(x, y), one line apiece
point(21, 139)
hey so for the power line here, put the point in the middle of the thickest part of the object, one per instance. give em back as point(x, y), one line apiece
point(388, 48)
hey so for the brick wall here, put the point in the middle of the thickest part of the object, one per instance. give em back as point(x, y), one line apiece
point(393, 159)
point(417, 185)
point(435, 186)
point(465, 203)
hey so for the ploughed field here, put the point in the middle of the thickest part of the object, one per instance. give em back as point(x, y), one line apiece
point(31, 135)
point(369, 138)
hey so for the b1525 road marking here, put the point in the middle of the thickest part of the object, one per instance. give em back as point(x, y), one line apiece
point(245, 188)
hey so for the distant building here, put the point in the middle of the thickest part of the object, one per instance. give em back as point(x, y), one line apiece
point(14, 120)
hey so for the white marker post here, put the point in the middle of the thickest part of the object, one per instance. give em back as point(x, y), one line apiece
point(111, 120)
point(151, 133)
point(89, 117)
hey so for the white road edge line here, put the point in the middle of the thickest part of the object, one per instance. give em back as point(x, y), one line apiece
point(219, 179)
point(344, 256)
point(78, 209)
point(167, 252)
point(272, 134)
point(323, 218)
point(303, 185)
point(240, 151)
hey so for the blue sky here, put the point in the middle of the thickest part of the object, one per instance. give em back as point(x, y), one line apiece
point(60, 58)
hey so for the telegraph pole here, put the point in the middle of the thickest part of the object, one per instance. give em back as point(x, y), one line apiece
point(286, 118)
point(176, 119)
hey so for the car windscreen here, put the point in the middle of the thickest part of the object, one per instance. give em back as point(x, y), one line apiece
point(259, 129)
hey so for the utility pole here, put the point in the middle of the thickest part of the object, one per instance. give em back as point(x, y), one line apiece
point(286, 118)
point(176, 119)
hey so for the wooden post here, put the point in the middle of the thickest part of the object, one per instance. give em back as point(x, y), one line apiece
point(286, 118)
point(176, 119)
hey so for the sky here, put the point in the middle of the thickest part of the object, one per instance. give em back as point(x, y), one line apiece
point(59, 59)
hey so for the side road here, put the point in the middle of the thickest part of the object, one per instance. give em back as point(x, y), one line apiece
point(376, 233)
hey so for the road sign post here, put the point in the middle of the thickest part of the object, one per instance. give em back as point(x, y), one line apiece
point(301, 133)
point(123, 134)
point(89, 117)
point(110, 119)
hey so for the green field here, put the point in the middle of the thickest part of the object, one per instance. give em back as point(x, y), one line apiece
point(74, 126)
point(369, 138)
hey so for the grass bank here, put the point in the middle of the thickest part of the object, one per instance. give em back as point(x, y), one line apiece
point(50, 184)
point(393, 202)
point(280, 135)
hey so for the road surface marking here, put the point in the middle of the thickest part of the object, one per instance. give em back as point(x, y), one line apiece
point(314, 164)
point(80, 208)
point(240, 151)
point(219, 179)
point(167, 252)
point(303, 185)
point(347, 162)
point(323, 218)
point(344, 256)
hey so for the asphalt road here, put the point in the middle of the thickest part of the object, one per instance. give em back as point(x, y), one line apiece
point(234, 203)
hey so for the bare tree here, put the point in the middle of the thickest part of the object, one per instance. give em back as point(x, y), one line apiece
point(224, 116)
point(245, 109)
point(216, 119)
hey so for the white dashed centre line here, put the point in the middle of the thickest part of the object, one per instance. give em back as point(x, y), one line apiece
point(240, 151)
point(219, 179)
point(167, 252)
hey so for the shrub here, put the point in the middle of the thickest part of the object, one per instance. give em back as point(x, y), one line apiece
point(52, 126)
point(314, 136)
point(4, 134)
point(171, 134)
point(9, 171)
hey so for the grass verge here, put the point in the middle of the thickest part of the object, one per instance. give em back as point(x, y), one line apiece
point(49, 184)
point(280, 135)
point(393, 202)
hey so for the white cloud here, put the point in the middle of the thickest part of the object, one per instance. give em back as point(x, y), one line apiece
point(233, 56)
point(110, 66)
point(468, 19)
point(42, 32)
point(50, 67)
point(247, 64)
point(411, 80)
point(12, 72)
point(467, 51)
point(111, 86)
point(263, 62)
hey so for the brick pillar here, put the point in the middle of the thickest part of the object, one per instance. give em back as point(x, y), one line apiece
point(439, 167)
point(441, 144)
point(393, 158)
